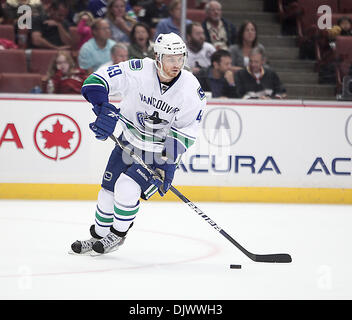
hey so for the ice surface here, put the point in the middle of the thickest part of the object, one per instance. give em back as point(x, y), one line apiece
point(172, 253)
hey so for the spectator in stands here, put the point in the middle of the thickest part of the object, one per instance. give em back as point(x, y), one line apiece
point(173, 22)
point(246, 41)
point(218, 31)
point(51, 30)
point(135, 9)
point(97, 8)
point(120, 23)
point(342, 28)
point(218, 78)
point(64, 76)
point(96, 51)
point(141, 45)
point(119, 53)
point(154, 12)
point(74, 8)
point(257, 81)
point(85, 21)
point(199, 51)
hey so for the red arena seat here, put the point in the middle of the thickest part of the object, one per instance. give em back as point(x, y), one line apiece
point(40, 60)
point(13, 60)
point(19, 82)
point(7, 31)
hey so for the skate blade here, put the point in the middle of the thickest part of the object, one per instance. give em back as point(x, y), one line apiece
point(95, 254)
point(79, 254)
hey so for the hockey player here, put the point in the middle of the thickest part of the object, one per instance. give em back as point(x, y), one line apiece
point(160, 113)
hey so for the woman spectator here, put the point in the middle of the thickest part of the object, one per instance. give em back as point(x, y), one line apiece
point(120, 23)
point(85, 20)
point(141, 45)
point(64, 76)
point(246, 40)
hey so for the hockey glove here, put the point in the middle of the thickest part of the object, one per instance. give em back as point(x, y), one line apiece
point(105, 124)
point(167, 172)
point(98, 107)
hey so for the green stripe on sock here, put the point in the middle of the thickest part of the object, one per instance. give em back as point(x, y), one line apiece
point(102, 219)
point(124, 212)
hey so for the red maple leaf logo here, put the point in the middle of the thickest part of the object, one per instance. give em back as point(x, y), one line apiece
point(57, 138)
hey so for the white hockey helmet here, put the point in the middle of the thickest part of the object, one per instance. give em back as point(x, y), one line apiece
point(168, 43)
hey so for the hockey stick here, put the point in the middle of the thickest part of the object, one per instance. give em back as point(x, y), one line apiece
point(278, 257)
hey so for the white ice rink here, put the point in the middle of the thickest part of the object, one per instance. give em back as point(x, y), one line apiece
point(171, 253)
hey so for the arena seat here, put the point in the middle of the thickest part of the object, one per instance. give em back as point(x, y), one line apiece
point(40, 60)
point(196, 15)
point(7, 31)
point(344, 58)
point(19, 82)
point(310, 10)
point(345, 6)
point(13, 60)
point(75, 38)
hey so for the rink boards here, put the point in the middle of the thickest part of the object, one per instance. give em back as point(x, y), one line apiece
point(276, 151)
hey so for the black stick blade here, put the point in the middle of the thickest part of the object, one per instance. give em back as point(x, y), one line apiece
point(276, 258)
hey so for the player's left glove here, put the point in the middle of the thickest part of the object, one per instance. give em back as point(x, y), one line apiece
point(105, 124)
point(167, 172)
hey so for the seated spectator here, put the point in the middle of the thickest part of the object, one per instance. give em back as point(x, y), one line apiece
point(119, 53)
point(120, 23)
point(85, 21)
point(51, 30)
point(96, 51)
point(199, 51)
point(173, 22)
point(257, 81)
point(218, 31)
point(342, 28)
point(97, 8)
point(140, 46)
point(154, 12)
point(63, 75)
point(135, 9)
point(218, 78)
point(246, 41)
point(74, 8)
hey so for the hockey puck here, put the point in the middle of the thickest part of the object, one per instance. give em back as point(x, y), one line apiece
point(235, 266)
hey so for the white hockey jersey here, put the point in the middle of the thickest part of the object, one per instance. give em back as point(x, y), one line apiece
point(151, 111)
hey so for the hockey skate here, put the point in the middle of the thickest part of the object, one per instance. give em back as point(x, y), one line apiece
point(111, 242)
point(84, 247)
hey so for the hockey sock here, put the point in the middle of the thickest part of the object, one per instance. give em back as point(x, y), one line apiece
point(104, 214)
point(124, 216)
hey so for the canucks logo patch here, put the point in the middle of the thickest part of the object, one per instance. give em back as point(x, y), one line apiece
point(135, 64)
point(201, 93)
point(151, 122)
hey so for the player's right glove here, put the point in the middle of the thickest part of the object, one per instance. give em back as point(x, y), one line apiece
point(105, 124)
point(167, 172)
